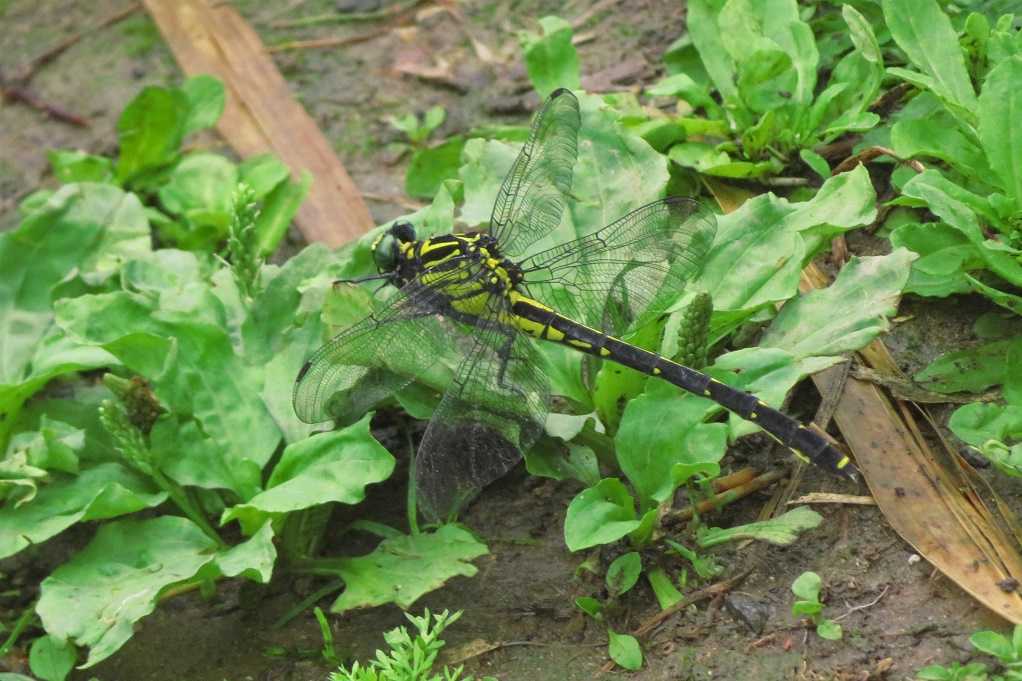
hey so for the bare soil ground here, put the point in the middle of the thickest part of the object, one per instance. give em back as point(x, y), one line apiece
point(522, 598)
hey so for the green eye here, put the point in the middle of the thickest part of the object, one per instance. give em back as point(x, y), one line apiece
point(385, 253)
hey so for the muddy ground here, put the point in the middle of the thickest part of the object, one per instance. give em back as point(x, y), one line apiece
point(522, 597)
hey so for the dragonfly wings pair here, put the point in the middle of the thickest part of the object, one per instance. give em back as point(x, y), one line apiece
point(494, 408)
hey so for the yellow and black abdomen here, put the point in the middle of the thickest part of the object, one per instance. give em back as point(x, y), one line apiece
point(540, 321)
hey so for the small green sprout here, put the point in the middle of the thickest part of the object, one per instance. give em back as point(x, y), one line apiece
point(418, 130)
point(807, 588)
point(409, 659)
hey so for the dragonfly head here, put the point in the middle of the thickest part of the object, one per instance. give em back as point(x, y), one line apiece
point(387, 248)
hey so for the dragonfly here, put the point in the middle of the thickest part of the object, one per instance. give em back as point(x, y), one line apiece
point(481, 299)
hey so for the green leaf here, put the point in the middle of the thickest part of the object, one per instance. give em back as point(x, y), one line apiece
point(816, 163)
point(88, 227)
point(945, 255)
point(1000, 104)
point(623, 573)
point(973, 369)
point(550, 58)
point(103, 491)
point(206, 99)
point(277, 211)
point(263, 173)
point(200, 181)
point(866, 291)
point(978, 423)
point(925, 34)
point(150, 130)
point(51, 658)
point(992, 643)
point(624, 650)
point(705, 34)
point(861, 33)
point(599, 515)
point(77, 166)
point(95, 598)
point(959, 208)
point(333, 466)
point(589, 606)
point(780, 531)
point(252, 559)
point(761, 247)
point(547, 459)
point(430, 167)
point(663, 588)
point(829, 629)
point(662, 429)
point(807, 586)
point(937, 135)
point(484, 165)
point(402, 569)
point(180, 345)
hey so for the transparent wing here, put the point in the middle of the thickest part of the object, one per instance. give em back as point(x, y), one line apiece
point(494, 409)
point(628, 272)
point(532, 196)
point(369, 361)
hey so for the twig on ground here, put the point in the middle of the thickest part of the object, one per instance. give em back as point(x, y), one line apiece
point(724, 498)
point(853, 608)
point(348, 17)
point(867, 155)
point(319, 43)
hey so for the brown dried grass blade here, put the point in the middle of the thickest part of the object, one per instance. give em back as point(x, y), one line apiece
point(261, 115)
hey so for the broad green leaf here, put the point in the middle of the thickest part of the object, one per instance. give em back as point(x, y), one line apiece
point(959, 208)
point(625, 650)
point(263, 173)
point(179, 344)
point(829, 630)
point(1008, 301)
point(1000, 104)
point(104, 491)
point(206, 100)
point(780, 531)
point(150, 130)
point(992, 643)
point(925, 34)
point(548, 459)
point(761, 247)
point(550, 58)
point(861, 33)
point(79, 227)
point(599, 515)
point(95, 598)
point(866, 291)
point(277, 211)
point(978, 423)
point(484, 165)
point(945, 255)
point(816, 163)
point(279, 303)
point(402, 569)
point(200, 181)
point(705, 34)
point(77, 166)
point(666, 592)
point(973, 369)
point(190, 457)
point(807, 586)
point(661, 429)
point(253, 559)
point(51, 658)
point(589, 606)
point(335, 466)
point(938, 136)
point(623, 573)
point(768, 373)
point(431, 166)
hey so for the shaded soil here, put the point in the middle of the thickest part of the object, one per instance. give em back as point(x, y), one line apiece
point(522, 597)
